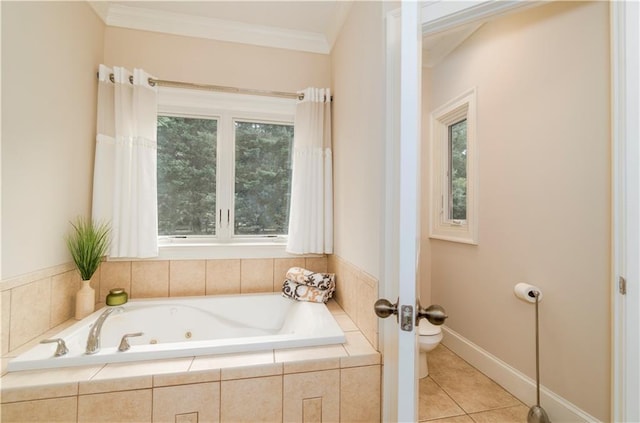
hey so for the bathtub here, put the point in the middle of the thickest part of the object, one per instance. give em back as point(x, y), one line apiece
point(191, 326)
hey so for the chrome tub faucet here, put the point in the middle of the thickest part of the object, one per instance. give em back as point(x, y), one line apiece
point(93, 340)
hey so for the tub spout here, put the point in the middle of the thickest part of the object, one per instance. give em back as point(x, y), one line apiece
point(93, 341)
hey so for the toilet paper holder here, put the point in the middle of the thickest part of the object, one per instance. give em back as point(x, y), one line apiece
point(527, 292)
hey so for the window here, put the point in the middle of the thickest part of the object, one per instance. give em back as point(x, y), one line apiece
point(453, 179)
point(262, 178)
point(224, 168)
point(186, 176)
point(457, 171)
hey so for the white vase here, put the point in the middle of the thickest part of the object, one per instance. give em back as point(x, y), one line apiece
point(85, 300)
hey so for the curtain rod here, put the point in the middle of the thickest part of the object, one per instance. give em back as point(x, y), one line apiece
point(207, 87)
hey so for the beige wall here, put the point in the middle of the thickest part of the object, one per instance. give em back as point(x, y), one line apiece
point(357, 72)
point(542, 79)
point(215, 62)
point(50, 53)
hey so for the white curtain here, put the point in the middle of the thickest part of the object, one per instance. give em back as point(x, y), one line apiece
point(124, 181)
point(311, 212)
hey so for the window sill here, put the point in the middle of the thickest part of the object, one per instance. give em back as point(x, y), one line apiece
point(238, 250)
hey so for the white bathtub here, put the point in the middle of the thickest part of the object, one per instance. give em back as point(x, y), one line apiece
point(192, 326)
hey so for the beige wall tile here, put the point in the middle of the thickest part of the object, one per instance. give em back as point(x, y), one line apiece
point(280, 267)
point(366, 318)
point(63, 294)
point(346, 289)
point(316, 264)
point(223, 277)
point(124, 406)
point(311, 410)
point(186, 277)
point(114, 274)
point(251, 400)
point(49, 410)
point(187, 418)
point(200, 398)
point(256, 275)
point(324, 385)
point(33, 393)
point(368, 279)
point(360, 394)
point(6, 320)
point(30, 311)
point(149, 279)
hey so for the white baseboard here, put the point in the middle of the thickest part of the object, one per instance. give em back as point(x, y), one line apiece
point(519, 385)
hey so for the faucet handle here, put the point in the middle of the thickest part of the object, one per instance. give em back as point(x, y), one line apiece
point(124, 342)
point(61, 349)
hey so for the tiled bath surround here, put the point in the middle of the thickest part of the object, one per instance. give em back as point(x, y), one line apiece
point(330, 383)
point(35, 303)
point(38, 305)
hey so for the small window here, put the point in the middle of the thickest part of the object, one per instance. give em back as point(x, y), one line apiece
point(453, 204)
point(457, 172)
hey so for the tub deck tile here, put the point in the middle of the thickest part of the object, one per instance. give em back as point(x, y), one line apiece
point(143, 368)
point(361, 353)
point(245, 372)
point(37, 384)
point(297, 360)
point(114, 385)
point(192, 376)
point(222, 361)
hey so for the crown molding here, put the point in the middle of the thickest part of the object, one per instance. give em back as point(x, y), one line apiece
point(144, 19)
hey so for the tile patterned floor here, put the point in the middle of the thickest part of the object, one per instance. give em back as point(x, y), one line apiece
point(455, 392)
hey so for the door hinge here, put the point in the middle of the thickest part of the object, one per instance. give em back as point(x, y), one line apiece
point(622, 285)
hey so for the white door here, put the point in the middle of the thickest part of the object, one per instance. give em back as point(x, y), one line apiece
point(400, 249)
point(402, 214)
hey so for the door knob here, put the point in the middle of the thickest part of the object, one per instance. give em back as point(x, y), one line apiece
point(435, 314)
point(384, 308)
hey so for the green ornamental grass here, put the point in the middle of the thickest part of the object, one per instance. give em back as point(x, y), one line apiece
point(88, 243)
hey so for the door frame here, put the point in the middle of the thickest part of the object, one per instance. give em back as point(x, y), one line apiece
point(625, 135)
point(438, 16)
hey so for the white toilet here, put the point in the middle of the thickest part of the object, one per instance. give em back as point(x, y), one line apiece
point(429, 336)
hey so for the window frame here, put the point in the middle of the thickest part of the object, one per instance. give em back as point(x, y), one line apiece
point(462, 107)
point(226, 108)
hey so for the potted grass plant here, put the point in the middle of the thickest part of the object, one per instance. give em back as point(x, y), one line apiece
point(87, 242)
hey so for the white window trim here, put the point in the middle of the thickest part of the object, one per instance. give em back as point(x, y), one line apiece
point(223, 106)
point(440, 226)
